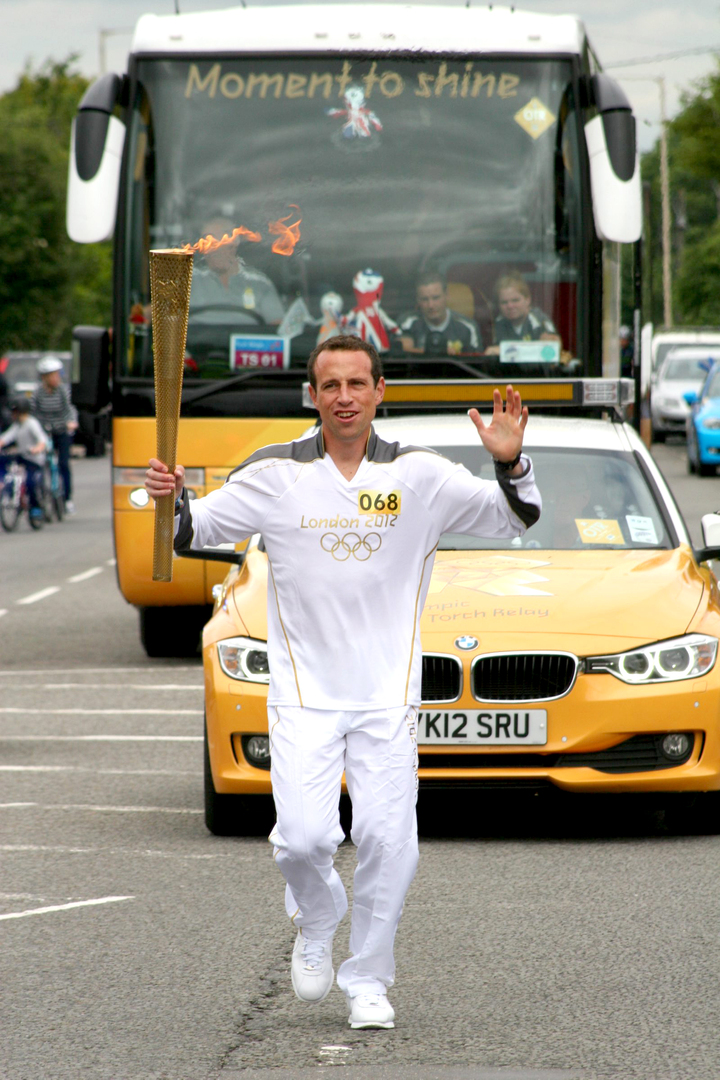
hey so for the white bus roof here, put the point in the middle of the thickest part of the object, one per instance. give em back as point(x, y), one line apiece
point(363, 28)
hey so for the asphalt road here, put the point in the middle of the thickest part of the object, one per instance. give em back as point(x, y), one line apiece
point(539, 941)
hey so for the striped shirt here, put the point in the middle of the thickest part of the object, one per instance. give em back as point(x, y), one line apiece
point(53, 408)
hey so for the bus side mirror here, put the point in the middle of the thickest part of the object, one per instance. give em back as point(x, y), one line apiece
point(614, 165)
point(91, 367)
point(96, 148)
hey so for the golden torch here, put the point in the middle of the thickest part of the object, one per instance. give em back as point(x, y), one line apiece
point(170, 280)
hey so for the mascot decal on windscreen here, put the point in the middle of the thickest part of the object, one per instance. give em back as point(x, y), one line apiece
point(367, 320)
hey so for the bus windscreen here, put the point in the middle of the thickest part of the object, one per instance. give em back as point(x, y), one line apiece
point(429, 205)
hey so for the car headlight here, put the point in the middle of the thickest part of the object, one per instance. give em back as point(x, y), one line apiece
point(712, 423)
point(245, 659)
point(667, 661)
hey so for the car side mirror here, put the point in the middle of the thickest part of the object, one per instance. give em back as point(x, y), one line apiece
point(710, 525)
point(691, 397)
point(214, 555)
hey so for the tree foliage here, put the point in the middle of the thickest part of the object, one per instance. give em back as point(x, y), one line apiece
point(693, 138)
point(47, 283)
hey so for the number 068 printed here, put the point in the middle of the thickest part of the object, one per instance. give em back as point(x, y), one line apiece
point(378, 502)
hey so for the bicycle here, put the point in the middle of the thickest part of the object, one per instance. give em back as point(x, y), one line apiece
point(15, 497)
point(52, 493)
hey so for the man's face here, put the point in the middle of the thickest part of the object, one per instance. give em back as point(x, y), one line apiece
point(346, 397)
point(514, 305)
point(52, 379)
point(225, 259)
point(432, 301)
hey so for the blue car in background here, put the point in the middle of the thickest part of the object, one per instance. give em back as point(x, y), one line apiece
point(703, 425)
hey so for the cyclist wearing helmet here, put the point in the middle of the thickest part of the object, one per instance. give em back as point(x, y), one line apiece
point(52, 406)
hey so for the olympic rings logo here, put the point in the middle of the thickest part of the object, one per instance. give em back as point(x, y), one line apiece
point(342, 547)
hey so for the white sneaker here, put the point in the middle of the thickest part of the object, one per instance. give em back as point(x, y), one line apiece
point(69, 507)
point(371, 1011)
point(312, 971)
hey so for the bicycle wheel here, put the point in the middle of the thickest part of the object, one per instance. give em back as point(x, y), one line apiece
point(44, 495)
point(37, 519)
point(9, 507)
point(58, 504)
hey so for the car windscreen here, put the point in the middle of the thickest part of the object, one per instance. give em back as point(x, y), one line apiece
point(591, 500)
point(351, 180)
point(684, 369)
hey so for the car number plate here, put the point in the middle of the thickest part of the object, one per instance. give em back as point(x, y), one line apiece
point(491, 727)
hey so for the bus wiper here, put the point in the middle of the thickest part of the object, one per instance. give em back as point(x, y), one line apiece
point(221, 384)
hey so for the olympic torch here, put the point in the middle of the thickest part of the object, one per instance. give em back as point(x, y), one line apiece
point(170, 280)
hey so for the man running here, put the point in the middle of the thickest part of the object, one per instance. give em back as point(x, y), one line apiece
point(345, 596)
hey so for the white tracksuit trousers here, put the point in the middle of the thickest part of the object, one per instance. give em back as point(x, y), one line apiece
point(310, 748)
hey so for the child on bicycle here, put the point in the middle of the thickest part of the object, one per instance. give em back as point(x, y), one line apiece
point(32, 445)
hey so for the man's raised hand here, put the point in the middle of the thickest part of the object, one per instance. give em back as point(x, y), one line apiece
point(503, 436)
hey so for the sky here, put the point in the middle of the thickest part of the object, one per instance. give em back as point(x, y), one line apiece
point(621, 34)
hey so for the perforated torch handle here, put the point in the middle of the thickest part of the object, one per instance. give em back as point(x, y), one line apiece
point(170, 281)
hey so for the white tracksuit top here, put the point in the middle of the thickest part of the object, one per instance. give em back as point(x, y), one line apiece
point(350, 560)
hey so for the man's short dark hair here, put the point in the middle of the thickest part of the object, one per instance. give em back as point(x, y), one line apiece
point(429, 277)
point(345, 343)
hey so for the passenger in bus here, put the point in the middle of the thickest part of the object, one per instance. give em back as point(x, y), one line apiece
point(517, 319)
point(434, 328)
point(227, 289)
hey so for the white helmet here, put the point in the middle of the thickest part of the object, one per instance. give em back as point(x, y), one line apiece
point(49, 364)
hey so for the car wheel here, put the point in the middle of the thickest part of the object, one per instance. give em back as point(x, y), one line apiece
point(658, 436)
point(222, 815)
point(705, 470)
point(693, 815)
point(234, 815)
point(172, 631)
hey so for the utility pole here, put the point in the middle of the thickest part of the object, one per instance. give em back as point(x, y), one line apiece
point(659, 81)
point(665, 199)
point(103, 35)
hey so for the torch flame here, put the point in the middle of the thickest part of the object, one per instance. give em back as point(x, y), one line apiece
point(211, 243)
point(287, 235)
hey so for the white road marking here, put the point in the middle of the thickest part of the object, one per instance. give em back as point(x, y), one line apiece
point(101, 738)
point(85, 575)
point(111, 562)
point(3, 611)
point(12, 709)
point(115, 686)
point(19, 848)
point(97, 772)
point(66, 907)
point(23, 849)
point(34, 597)
point(105, 809)
point(96, 670)
point(12, 805)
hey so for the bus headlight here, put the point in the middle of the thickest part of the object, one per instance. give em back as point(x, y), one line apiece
point(244, 659)
point(686, 657)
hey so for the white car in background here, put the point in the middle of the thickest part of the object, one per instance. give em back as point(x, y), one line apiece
point(683, 369)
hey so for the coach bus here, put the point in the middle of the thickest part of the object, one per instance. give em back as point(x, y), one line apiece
point(363, 159)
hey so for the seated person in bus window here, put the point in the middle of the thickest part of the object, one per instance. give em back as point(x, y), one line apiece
point(517, 319)
point(434, 328)
point(228, 289)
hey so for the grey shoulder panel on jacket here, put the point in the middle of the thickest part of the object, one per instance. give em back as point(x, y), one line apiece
point(301, 450)
point(384, 452)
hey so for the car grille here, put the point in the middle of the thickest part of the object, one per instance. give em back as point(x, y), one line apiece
point(523, 676)
point(441, 677)
point(641, 753)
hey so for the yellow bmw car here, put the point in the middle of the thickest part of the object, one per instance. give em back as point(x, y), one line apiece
point(581, 656)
